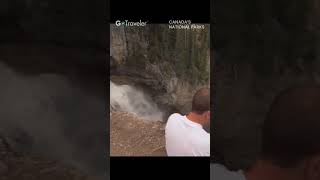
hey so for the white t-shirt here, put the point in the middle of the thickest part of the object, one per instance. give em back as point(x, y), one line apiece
point(219, 172)
point(186, 138)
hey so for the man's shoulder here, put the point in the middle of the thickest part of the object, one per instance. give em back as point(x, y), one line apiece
point(175, 116)
point(173, 120)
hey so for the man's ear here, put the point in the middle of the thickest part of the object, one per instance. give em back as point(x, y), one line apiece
point(208, 116)
point(313, 168)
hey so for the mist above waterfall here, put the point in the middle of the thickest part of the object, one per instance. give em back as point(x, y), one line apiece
point(130, 99)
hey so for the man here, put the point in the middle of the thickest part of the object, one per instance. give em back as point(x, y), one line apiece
point(185, 135)
point(290, 140)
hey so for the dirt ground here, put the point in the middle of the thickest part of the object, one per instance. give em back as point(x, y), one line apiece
point(131, 136)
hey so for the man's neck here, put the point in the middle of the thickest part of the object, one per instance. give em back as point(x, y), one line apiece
point(265, 170)
point(194, 118)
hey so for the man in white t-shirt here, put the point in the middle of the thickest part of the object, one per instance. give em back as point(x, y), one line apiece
point(184, 134)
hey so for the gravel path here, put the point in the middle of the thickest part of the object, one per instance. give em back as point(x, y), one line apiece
point(131, 136)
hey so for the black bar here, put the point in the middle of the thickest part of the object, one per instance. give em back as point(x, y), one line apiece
point(160, 168)
point(160, 11)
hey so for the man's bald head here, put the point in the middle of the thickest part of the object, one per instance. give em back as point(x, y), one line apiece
point(201, 101)
point(291, 130)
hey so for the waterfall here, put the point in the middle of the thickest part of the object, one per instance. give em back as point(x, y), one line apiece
point(129, 99)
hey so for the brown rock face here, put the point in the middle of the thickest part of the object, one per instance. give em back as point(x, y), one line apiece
point(173, 63)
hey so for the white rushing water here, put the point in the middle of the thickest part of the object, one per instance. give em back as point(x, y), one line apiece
point(129, 99)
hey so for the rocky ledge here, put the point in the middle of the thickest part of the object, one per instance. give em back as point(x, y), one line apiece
point(132, 136)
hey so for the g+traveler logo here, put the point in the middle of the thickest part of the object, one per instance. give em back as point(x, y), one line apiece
point(127, 23)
